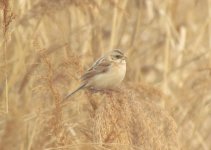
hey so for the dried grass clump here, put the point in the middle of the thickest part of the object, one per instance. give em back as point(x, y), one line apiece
point(125, 121)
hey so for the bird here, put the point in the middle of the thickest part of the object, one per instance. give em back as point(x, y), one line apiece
point(106, 73)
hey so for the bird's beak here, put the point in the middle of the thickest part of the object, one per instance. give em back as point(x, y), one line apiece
point(124, 57)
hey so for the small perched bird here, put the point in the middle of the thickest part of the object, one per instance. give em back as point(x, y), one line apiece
point(106, 73)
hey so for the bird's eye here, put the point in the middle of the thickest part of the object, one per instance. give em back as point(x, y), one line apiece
point(118, 56)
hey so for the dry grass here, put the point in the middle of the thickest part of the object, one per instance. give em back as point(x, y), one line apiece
point(164, 102)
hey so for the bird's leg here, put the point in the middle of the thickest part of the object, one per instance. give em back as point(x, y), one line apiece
point(106, 91)
point(94, 90)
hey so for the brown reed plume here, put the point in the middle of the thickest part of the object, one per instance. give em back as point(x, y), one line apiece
point(8, 17)
point(55, 120)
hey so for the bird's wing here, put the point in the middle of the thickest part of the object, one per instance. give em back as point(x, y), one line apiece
point(100, 66)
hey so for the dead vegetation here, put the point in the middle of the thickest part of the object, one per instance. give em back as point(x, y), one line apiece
point(164, 103)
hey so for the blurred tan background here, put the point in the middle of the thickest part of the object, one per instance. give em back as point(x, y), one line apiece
point(45, 45)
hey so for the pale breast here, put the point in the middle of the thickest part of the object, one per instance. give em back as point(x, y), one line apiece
point(112, 78)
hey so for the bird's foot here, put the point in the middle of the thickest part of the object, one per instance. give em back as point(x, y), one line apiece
point(93, 90)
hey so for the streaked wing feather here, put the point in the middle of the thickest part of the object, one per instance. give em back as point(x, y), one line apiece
point(100, 66)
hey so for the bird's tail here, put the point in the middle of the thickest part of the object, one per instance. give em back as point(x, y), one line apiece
point(76, 90)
